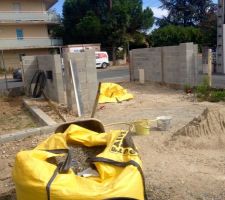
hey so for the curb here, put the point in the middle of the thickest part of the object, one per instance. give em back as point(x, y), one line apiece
point(38, 114)
point(26, 133)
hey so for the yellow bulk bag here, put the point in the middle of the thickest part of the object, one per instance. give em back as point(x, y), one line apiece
point(118, 166)
point(112, 93)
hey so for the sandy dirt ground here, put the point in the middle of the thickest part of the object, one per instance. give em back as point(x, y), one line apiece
point(188, 164)
point(185, 163)
point(13, 116)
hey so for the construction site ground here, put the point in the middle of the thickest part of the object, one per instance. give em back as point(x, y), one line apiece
point(187, 162)
point(14, 116)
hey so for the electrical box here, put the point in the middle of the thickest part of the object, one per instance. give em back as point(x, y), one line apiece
point(49, 75)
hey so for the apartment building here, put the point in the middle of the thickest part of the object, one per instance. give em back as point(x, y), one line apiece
point(25, 29)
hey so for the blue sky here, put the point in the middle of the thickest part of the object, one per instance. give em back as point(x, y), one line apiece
point(154, 4)
point(151, 3)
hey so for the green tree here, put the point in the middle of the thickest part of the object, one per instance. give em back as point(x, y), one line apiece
point(208, 27)
point(174, 35)
point(112, 23)
point(186, 12)
point(90, 23)
point(200, 14)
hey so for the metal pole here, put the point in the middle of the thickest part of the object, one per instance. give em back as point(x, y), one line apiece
point(3, 63)
point(75, 91)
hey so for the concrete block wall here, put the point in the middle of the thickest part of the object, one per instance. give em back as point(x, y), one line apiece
point(172, 64)
point(148, 59)
point(173, 67)
point(84, 65)
point(54, 88)
point(29, 68)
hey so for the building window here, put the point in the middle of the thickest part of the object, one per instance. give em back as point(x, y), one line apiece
point(16, 7)
point(19, 34)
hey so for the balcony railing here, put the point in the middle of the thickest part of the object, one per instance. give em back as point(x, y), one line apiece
point(49, 17)
point(29, 43)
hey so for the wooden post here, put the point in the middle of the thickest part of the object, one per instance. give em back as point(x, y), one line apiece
point(210, 67)
point(96, 101)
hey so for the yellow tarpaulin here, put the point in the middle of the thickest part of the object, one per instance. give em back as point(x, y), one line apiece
point(118, 166)
point(112, 93)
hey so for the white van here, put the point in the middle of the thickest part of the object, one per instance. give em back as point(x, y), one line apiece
point(102, 59)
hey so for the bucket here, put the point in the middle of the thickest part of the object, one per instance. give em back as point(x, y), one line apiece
point(142, 127)
point(163, 123)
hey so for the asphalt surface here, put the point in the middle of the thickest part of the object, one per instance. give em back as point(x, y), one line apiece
point(11, 83)
point(104, 75)
point(113, 75)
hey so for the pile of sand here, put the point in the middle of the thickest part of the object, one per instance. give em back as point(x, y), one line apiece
point(210, 122)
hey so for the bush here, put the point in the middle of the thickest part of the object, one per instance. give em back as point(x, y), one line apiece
point(216, 96)
point(174, 35)
point(203, 90)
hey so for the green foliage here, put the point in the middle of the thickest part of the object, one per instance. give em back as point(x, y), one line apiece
point(57, 31)
point(147, 19)
point(90, 23)
point(203, 90)
point(174, 35)
point(216, 96)
point(139, 40)
point(120, 54)
point(209, 28)
point(87, 21)
point(200, 14)
point(186, 12)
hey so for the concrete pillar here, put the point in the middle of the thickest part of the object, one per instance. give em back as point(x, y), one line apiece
point(86, 79)
point(142, 76)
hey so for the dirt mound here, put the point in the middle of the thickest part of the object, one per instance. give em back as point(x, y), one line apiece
point(210, 123)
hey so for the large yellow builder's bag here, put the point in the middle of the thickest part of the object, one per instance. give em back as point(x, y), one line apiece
point(118, 166)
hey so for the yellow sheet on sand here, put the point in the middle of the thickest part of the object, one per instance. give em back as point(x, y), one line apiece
point(113, 93)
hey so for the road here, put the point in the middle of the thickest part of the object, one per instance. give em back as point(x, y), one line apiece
point(104, 75)
point(114, 75)
point(11, 84)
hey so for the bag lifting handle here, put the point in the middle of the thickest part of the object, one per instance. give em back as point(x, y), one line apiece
point(63, 167)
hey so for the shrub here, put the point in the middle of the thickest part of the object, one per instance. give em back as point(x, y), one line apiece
point(203, 90)
point(216, 96)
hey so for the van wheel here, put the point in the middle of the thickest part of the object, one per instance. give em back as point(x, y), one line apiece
point(104, 65)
